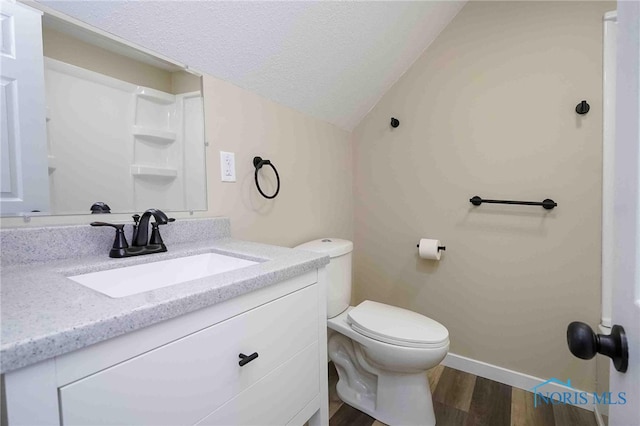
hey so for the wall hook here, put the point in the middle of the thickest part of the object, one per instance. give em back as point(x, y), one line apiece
point(395, 122)
point(582, 108)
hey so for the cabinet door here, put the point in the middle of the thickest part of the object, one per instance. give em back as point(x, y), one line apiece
point(184, 381)
point(277, 398)
point(24, 170)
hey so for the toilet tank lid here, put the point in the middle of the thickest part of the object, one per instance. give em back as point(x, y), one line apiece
point(333, 247)
point(396, 325)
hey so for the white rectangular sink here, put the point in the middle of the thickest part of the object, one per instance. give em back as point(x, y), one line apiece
point(121, 282)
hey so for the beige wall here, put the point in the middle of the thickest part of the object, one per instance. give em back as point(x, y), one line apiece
point(65, 48)
point(62, 47)
point(488, 110)
point(312, 157)
point(184, 82)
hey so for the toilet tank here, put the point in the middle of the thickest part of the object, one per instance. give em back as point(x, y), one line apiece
point(338, 271)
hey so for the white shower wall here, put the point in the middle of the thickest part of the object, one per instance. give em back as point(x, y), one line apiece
point(129, 146)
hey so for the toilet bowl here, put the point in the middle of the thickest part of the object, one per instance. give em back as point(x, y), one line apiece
point(381, 352)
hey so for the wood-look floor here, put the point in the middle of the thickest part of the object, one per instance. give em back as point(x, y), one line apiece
point(462, 399)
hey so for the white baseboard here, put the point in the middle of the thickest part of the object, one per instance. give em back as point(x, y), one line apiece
point(503, 375)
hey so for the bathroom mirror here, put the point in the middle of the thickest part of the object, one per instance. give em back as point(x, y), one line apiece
point(122, 126)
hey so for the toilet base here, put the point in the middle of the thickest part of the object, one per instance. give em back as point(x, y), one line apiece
point(401, 400)
point(397, 399)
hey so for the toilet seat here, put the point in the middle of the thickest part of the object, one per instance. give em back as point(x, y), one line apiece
point(397, 326)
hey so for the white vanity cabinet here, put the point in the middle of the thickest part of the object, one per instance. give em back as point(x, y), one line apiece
point(186, 371)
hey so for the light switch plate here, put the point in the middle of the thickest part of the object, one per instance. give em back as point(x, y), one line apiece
point(227, 166)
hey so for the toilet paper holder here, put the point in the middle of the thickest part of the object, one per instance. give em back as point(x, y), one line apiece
point(443, 248)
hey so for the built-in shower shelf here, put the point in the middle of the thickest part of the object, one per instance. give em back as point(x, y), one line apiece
point(154, 135)
point(155, 96)
point(164, 172)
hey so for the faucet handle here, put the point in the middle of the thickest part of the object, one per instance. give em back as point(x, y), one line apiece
point(155, 231)
point(119, 242)
point(155, 234)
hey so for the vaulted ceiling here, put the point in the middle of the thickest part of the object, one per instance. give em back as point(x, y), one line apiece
point(330, 60)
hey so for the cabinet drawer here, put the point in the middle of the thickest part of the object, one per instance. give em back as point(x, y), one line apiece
point(276, 398)
point(182, 382)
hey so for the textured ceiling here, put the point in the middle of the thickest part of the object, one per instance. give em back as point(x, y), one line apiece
point(331, 60)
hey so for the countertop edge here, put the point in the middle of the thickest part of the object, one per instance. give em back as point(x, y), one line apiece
point(23, 353)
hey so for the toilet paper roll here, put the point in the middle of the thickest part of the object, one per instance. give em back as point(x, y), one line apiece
point(428, 249)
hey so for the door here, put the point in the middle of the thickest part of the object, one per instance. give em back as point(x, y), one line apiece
point(626, 286)
point(24, 172)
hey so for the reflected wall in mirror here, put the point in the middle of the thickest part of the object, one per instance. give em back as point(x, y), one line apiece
point(120, 127)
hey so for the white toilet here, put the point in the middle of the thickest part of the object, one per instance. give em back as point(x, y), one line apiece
point(381, 352)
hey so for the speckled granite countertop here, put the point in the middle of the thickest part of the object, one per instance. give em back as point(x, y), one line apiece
point(45, 314)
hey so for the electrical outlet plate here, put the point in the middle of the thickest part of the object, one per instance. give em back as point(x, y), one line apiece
point(227, 166)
